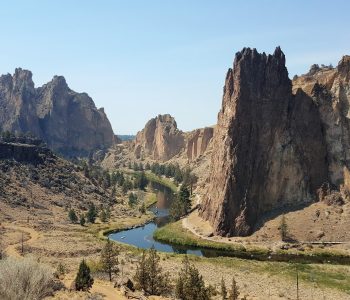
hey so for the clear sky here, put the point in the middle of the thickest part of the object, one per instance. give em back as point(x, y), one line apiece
point(138, 59)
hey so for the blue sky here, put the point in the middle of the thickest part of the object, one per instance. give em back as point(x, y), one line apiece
point(141, 58)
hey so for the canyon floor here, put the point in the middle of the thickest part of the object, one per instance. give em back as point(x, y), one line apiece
point(65, 243)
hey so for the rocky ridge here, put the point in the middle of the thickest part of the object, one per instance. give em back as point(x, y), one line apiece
point(276, 142)
point(67, 121)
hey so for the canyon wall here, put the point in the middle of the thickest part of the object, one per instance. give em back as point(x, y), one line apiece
point(270, 146)
point(67, 121)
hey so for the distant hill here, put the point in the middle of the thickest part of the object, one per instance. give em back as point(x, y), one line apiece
point(126, 137)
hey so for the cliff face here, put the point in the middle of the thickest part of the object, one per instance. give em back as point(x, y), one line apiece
point(269, 148)
point(67, 121)
point(160, 139)
point(330, 90)
point(198, 142)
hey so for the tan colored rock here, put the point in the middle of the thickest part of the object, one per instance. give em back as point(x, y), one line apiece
point(160, 139)
point(198, 141)
point(67, 121)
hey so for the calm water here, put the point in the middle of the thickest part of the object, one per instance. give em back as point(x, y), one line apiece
point(142, 237)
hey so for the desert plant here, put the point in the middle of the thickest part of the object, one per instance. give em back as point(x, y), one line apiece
point(190, 284)
point(234, 292)
point(25, 279)
point(72, 216)
point(283, 229)
point(109, 258)
point(223, 289)
point(149, 275)
point(83, 280)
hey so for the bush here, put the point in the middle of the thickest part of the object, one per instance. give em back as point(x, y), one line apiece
point(25, 279)
point(83, 281)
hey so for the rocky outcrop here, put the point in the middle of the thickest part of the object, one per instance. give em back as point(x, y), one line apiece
point(24, 153)
point(270, 151)
point(330, 90)
point(160, 139)
point(198, 142)
point(67, 121)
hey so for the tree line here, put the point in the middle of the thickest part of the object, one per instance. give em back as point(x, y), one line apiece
point(152, 280)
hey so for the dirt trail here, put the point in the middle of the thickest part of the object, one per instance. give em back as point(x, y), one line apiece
point(11, 249)
point(104, 288)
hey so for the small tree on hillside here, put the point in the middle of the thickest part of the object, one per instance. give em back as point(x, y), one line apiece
point(83, 280)
point(190, 284)
point(234, 292)
point(149, 275)
point(223, 289)
point(283, 229)
point(72, 216)
point(109, 258)
point(82, 220)
point(92, 213)
point(141, 276)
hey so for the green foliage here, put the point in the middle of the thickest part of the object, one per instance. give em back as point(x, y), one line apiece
point(83, 280)
point(82, 220)
point(143, 208)
point(109, 258)
point(141, 181)
point(103, 216)
point(223, 289)
point(190, 284)
point(132, 199)
point(234, 292)
point(149, 275)
point(92, 213)
point(283, 228)
point(72, 216)
point(181, 205)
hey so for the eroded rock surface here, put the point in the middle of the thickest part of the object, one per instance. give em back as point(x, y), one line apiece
point(67, 121)
point(270, 148)
point(160, 139)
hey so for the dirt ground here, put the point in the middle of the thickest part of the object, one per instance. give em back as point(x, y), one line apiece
point(58, 241)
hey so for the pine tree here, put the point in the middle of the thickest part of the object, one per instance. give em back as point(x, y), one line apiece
point(190, 284)
point(223, 289)
point(109, 259)
point(92, 213)
point(72, 216)
point(234, 292)
point(83, 280)
point(283, 229)
point(82, 220)
point(149, 275)
point(103, 216)
point(141, 276)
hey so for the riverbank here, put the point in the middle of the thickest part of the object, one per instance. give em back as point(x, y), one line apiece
point(176, 234)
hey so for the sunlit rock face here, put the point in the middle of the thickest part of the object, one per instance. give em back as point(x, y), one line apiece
point(270, 145)
point(67, 121)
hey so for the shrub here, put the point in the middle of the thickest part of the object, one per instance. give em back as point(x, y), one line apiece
point(83, 280)
point(25, 279)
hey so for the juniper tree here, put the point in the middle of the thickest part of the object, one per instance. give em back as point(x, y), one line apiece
point(149, 275)
point(234, 292)
point(223, 289)
point(109, 259)
point(72, 216)
point(190, 284)
point(83, 280)
point(283, 228)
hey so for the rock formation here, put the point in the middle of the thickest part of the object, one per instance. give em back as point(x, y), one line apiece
point(198, 141)
point(270, 148)
point(67, 121)
point(160, 139)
